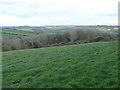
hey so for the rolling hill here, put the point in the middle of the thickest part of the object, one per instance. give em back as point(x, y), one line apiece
point(11, 33)
point(92, 65)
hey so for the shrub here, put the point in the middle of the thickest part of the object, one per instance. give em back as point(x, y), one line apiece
point(98, 38)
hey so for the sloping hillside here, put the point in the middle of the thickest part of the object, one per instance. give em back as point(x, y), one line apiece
point(10, 33)
point(74, 66)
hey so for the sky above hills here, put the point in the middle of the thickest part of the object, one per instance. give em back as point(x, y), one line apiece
point(58, 12)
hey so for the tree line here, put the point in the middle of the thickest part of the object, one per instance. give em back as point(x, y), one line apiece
point(45, 40)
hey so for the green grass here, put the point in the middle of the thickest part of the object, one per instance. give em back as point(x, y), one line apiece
point(15, 33)
point(9, 35)
point(93, 65)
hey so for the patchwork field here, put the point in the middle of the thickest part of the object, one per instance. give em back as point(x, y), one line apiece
point(23, 31)
point(92, 65)
point(10, 33)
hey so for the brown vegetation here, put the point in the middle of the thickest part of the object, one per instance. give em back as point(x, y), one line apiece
point(47, 40)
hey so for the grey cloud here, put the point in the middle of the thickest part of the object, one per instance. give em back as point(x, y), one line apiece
point(6, 3)
point(53, 12)
point(28, 12)
point(108, 14)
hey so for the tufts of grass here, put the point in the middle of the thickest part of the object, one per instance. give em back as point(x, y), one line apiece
point(93, 65)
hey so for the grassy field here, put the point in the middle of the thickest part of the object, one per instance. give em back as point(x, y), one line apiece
point(93, 65)
point(15, 33)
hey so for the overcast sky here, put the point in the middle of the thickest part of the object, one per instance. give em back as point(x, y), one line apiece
point(58, 12)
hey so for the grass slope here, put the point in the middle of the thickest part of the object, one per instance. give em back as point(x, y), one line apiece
point(15, 33)
point(75, 66)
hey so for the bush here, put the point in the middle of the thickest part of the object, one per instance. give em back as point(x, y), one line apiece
point(98, 38)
